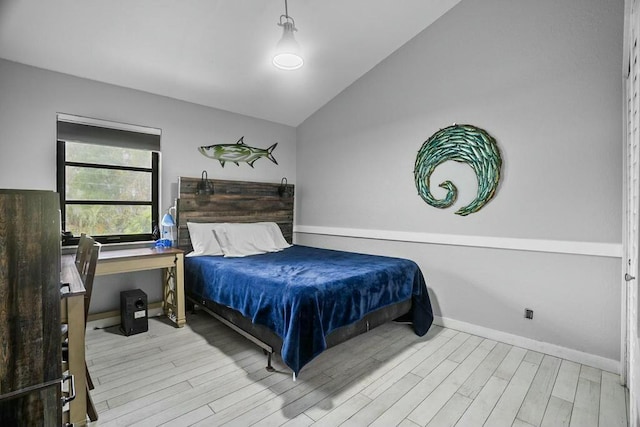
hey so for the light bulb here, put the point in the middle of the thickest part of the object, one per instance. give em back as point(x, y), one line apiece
point(287, 56)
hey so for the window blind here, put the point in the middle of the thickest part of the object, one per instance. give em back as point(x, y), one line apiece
point(98, 132)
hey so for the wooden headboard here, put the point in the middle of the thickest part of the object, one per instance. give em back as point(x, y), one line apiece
point(233, 201)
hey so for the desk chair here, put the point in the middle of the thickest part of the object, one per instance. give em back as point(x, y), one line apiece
point(83, 250)
point(86, 262)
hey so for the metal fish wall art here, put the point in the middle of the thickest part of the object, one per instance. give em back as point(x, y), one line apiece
point(238, 152)
point(464, 144)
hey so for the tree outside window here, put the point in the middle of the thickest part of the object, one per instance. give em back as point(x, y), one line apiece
point(107, 192)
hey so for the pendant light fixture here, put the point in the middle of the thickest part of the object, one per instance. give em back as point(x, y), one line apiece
point(287, 55)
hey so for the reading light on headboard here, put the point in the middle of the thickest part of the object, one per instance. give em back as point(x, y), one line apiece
point(204, 187)
point(283, 187)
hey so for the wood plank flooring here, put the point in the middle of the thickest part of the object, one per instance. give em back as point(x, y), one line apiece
point(207, 375)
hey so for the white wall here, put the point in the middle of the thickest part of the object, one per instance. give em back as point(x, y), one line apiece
point(31, 97)
point(544, 78)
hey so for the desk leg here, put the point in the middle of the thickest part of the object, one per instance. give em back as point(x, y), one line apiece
point(77, 364)
point(174, 292)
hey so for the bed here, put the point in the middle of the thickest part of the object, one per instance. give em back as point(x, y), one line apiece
point(297, 301)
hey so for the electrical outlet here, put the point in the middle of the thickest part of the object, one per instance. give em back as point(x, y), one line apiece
point(528, 313)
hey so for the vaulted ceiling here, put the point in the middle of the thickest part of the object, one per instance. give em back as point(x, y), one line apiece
point(214, 52)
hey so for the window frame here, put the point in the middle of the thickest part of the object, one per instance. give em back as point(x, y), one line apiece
point(62, 163)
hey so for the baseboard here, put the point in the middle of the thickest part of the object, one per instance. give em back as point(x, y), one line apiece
point(112, 318)
point(599, 362)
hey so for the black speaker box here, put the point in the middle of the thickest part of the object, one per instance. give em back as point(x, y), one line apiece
point(133, 312)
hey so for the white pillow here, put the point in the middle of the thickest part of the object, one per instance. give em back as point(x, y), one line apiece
point(239, 240)
point(202, 238)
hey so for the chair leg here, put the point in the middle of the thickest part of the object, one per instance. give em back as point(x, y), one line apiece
point(91, 409)
point(89, 380)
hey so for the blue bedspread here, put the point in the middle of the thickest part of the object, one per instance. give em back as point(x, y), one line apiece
point(304, 293)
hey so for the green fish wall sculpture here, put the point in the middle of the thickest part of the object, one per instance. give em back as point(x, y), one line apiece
point(464, 144)
point(238, 152)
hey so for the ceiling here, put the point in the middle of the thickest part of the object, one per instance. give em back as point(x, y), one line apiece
point(214, 52)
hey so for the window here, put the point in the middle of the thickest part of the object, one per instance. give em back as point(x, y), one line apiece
point(108, 182)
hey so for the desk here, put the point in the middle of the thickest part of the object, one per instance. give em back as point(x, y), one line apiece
point(169, 259)
point(72, 313)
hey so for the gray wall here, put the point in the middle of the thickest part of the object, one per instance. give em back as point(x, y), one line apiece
point(544, 78)
point(31, 97)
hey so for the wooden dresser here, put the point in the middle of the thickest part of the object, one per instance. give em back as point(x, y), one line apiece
point(30, 333)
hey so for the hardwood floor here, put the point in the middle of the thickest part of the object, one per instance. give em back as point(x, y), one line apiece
point(207, 375)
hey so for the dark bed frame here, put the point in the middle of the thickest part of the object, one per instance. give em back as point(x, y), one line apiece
point(245, 202)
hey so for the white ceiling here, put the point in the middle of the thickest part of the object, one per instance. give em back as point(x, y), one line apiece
point(214, 52)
